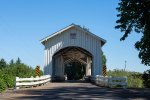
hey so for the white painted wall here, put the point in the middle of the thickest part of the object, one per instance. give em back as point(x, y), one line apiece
point(83, 40)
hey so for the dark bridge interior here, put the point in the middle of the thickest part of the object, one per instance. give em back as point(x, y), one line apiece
point(75, 62)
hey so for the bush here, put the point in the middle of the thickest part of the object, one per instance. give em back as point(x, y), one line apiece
point(134, 78)
point(9, 81)
point(135, 82)
point(2, 85)
point(146, 78)
point(12, 70)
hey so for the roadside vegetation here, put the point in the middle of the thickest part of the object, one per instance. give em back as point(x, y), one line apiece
point(135, 79)
point(9, 71)
point(134, 16)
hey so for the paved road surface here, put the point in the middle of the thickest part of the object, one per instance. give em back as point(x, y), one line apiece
point(75, 90)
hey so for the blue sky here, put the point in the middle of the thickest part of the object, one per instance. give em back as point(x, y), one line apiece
point(24, 22)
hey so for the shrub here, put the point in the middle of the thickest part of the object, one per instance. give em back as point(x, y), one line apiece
point(9, 80)
point(2, 85)
point(146, 78)
point(134, 78)
point(135, 82)
point(12, 70)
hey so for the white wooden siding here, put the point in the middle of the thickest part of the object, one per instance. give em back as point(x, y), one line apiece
point(82, 40)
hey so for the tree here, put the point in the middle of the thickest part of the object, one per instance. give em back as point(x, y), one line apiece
point(2, 63)
point(135, 15)
point(18, 61)
point(104, 60)
point(146, 78)
point(11, 62)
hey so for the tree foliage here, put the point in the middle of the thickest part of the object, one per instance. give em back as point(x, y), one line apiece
point(135, 15)
point(146, 78)
point(18, 61)
point(104, 60)
point(75, 70)
point(11, 62)
point(134, 79)
point(2, 63)
point(8, 72)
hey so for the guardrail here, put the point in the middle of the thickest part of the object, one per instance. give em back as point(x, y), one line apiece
point(111, 81)
point(101, 80)
point(118, 82)
point(30, 82)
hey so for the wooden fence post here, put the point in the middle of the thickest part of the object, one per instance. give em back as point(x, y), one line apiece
point(16, 87)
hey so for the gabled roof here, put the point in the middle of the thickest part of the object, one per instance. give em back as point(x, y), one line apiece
point(70, 26)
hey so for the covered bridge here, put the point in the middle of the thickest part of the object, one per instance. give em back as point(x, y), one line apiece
point(73, 51)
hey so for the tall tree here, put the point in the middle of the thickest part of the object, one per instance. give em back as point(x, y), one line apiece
point(135, 15)
point(3, 63)
point(18, 61)
point(11, 62)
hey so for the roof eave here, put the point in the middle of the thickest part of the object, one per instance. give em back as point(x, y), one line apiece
point(55, 33)
point(101, 39)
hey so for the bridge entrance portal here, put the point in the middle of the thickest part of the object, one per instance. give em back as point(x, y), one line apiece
point(73, 62)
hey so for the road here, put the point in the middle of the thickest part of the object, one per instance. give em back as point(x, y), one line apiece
point(75, 90)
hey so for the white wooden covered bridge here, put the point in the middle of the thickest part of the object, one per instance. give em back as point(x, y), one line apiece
point(73, 46)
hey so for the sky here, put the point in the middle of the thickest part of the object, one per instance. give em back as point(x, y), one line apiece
point(23, 23)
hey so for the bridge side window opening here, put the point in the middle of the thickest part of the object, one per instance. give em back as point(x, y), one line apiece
point(73, 35)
